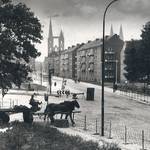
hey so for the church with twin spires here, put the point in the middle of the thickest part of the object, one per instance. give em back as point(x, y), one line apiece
point(55, 47)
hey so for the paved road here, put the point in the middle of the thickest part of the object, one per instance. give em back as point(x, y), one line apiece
point(120, 110)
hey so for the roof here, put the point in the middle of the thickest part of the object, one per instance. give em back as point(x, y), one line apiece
point(97, 42)
point(71, 49)
point(91, 44)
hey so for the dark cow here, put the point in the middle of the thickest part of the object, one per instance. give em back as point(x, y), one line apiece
point(65, 107)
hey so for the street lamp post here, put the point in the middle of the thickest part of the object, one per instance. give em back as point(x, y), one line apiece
point(116, 80)
point(41, 74)
point(103, 69)
point(50, 72)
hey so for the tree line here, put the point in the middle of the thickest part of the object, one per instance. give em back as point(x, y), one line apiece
point(137, 57)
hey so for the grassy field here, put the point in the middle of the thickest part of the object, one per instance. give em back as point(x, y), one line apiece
point(43, 137)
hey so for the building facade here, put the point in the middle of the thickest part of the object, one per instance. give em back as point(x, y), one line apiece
point(72, 60)
point(88, 67)
point(89, 60)
point(83, 61)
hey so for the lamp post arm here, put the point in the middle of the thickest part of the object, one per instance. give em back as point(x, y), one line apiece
point(103, 69)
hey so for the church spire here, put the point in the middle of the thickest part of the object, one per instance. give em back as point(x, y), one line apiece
point(61, 41)
point(50, 39)
point(111, 31)
point(50, 29)
point(61, 34)
point(121, 33)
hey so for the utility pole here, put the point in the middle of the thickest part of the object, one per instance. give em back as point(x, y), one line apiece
point(50, 81)
point(50, 72)
point(41, 73)
point(116, 71)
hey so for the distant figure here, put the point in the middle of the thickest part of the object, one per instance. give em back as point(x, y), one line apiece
point(63, 85)
point(74, 96)
point(35, 104)
point(55, 83)
point(75, 80)
point(46, 97)
point(29, 86)
point(67, 92)
point(65, 82)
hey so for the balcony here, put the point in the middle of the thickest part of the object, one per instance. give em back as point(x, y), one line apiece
point(109, 68)
point(91, 60)
point(91, 68)
point(109, 52)
point(110, 60)
point(91, 53)
point(83, 54)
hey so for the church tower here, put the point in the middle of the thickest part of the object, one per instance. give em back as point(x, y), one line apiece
point(50, 39)
point(61, 41)
point(121, 33)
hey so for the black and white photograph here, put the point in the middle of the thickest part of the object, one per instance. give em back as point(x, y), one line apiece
point(74, 75)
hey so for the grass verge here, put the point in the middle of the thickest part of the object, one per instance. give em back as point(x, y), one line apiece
point(43, 137)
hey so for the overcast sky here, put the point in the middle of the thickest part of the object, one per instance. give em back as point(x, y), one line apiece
point(81, 20)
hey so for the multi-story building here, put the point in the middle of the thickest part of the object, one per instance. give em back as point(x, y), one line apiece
point(88, 67)
point(72, 56)
point(89, 59)
point(113, 48)
point(64, 65)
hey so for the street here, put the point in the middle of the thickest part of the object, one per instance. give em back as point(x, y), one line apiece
point(119, 110)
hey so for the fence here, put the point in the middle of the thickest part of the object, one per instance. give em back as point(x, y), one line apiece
point(122, 133)
point(134, 92)
point(8, 103)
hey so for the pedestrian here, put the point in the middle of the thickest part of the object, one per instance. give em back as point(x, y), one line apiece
point(67, 92)
point(34, 103)
point(74, 96)
point(46, 97)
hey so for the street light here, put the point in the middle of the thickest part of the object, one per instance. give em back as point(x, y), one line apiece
point(116, 80)
point(103, 69)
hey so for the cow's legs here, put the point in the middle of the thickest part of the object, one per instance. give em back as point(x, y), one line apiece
point(66, 116)
point(72, 121)
point(61, 116)
point(51, 116)
point(45, 116)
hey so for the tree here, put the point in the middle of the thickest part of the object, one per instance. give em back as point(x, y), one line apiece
point(20, 30)
point(132, 61)
point(145, 53)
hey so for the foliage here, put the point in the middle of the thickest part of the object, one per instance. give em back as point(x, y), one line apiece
point(137, 57)
point(38, 136)
point(131, 61)
point(19, 31)
point(145, 53)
